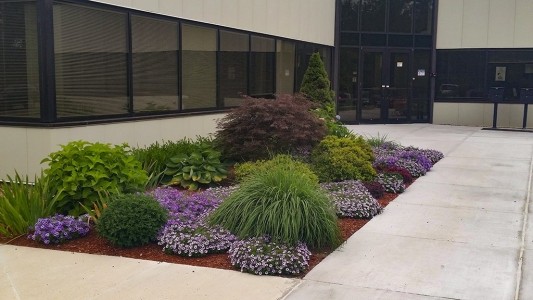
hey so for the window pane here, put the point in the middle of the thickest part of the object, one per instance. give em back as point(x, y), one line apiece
point(155, 64)
point(373, 15)
point(512, 70)
point(262, 67)
point(90, 61)
point(198, 67)
point(19, 69)
point(285, 67)
point(460, 74)
point(423, 16)
point(233, 67)
point(401, 16)
point(350, 15)
point(348, 81)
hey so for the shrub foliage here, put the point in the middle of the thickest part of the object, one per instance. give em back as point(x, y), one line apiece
point(347, 158)
point(246, 169)
point(80, 171)
point(315, 83)
point(262, 127)
point(283, 204)
point(131, 220)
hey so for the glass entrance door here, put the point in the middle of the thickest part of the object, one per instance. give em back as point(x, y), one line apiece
point(385, 86)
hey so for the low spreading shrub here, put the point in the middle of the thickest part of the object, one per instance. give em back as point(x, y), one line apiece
point(263, 256)
point(199, 169)
point(352, 199)
point(131, 220)
point(406, 176)
point(22, 204)
point(80, 171)
point(58, 229)
point(260, 128)
point(414, 168)
point(391, 182)
point(245, 169)
point(284, 204)
point(374, 188)
point(338, 159)
point(196, 239)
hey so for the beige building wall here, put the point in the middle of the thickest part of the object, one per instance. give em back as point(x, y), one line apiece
point(28, 146)
point(480, 114)
point(306, 20)
point(485, 24)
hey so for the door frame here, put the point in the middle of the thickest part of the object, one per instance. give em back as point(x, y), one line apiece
point(385, 82)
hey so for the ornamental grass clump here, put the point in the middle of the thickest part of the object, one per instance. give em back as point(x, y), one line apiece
point(283, 160)
point(264, 256)
point(391, 182)
point(282, 203)
point(131, 220)
point(196, 239)
point(58, 229)
point(352, 199)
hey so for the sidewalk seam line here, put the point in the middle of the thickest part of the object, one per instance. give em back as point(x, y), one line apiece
point(524, 229)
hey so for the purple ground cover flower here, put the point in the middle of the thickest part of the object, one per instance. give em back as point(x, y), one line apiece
point(263, 256)
point(391, 182)
point(194, 239)
point(352, 199)
point(58, 229)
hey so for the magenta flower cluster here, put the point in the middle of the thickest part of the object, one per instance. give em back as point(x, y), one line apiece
point(263, 256)
point(58, 229)
point(416, 161)
point(352, 199)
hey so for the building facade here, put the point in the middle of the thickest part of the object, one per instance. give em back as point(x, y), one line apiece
point(140, 71)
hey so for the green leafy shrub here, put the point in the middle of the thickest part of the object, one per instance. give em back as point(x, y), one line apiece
point(263, 127)
point(22, 204)
point(155, 157)
point(315, 83)
point(202, 167)
point(81, 170)
point(283, 204)
point(246, 169)
point(338, 159)
point(334, 126)
point(131, 220)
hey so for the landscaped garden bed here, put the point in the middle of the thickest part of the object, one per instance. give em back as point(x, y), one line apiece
point(280, 186)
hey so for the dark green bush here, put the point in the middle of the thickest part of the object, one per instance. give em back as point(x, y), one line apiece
point(246, 169)
point(81, 171)
point(264, 127)
point(347, 158)
point(282, 203)
point(131, 220)
point(316, 85)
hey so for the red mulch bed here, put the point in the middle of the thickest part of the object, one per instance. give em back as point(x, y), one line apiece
point(94, 244)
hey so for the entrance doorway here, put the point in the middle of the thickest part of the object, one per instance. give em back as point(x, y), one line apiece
point(385, 86)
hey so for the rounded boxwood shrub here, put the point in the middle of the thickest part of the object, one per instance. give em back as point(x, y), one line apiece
point(246, 169)
point(131, 220)
point(260, 128)
point(283, 204)
point(346, 158)
point(81, 172)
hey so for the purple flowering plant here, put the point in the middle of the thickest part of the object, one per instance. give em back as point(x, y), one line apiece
point(58, 229)
point(352, 199)
point(391, 182)
point(264, 256)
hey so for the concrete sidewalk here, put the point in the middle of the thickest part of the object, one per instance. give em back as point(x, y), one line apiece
point(457, 233)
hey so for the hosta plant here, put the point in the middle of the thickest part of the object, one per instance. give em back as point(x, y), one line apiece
point(352, 199)
point(58, 229)
point(200, 168)
point(81, 170)
point(264, 256)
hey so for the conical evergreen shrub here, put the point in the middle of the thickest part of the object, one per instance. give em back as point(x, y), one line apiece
point(316, 85)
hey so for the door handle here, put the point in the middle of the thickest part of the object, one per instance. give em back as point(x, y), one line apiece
point(385, 86)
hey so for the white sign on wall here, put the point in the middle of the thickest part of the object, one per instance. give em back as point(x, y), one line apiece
point(500, 73)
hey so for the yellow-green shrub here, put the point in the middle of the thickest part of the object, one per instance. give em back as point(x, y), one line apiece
point(243, 170)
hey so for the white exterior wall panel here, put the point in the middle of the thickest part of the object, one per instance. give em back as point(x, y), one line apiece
point(485, 24)
point(305, 20)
